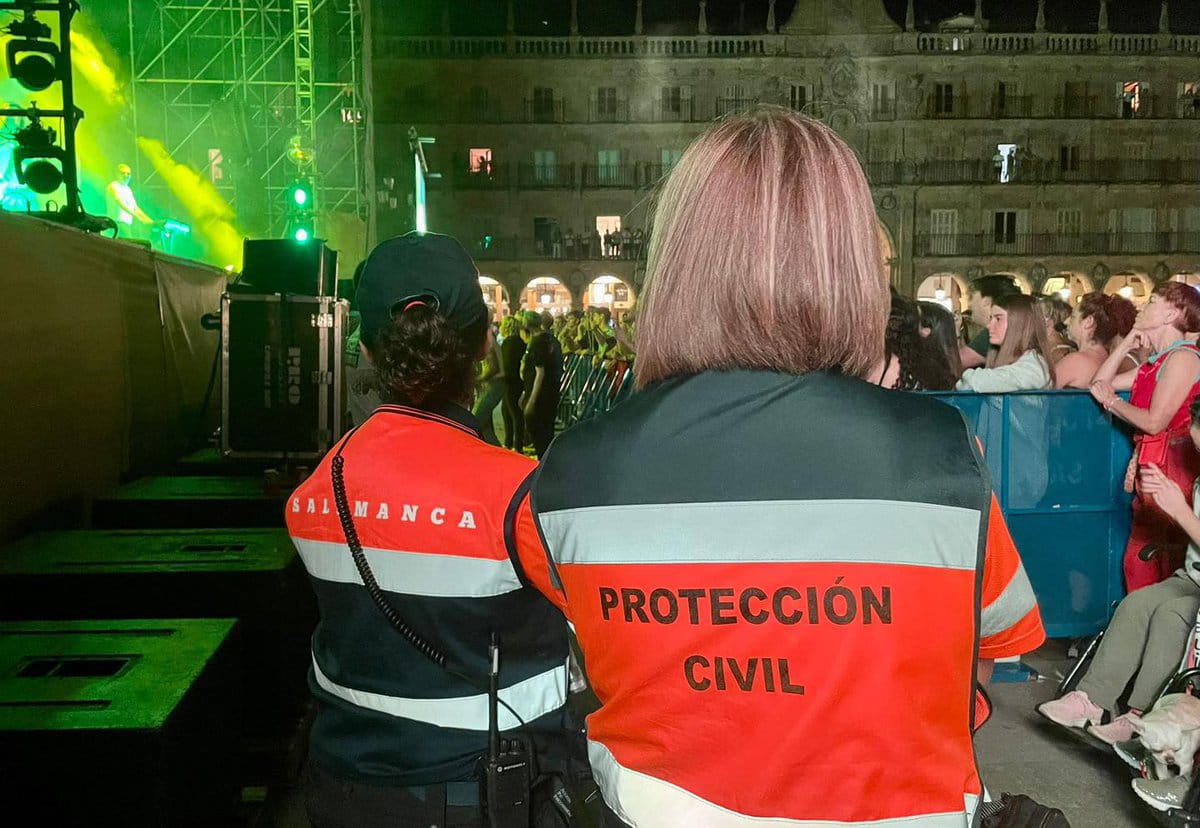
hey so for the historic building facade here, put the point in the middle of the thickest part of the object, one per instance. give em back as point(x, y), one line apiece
point(1069, 160)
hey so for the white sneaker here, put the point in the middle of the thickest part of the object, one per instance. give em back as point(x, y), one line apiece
point(1074, 709)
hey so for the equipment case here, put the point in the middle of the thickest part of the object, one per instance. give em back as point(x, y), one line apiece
point(281, 374)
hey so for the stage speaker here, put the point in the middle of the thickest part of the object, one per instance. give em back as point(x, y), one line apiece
point(189, 503)
point(118, 723)
point(288, 266)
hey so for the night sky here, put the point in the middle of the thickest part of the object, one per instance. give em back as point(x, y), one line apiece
point(552, 17)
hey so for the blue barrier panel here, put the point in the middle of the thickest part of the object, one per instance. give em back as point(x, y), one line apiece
point(1058, 466)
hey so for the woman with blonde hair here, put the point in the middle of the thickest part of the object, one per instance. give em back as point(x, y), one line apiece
point(766, 537)
point(1021, 359)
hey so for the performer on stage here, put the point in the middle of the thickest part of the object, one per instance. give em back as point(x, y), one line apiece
point(123, 208)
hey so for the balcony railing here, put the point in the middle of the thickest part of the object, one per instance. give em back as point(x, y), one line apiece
point(1035, 171)
point(1048, 244)
point(668, 111)
point(1187, 106)
point(883, 110)
point(610, 175)
point(545, 112)
point(732, 106)
point(514, 248)
point(608, 112)
point(493, 177)
point(1012, 106)
point(956, 107)
point(1075, 107)
point(1147, 107)
point(545, 176)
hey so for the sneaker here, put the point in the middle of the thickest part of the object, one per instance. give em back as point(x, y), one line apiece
point(1074, 709)
point(1132, 753)
point(1119, 729)
point(1162, 794)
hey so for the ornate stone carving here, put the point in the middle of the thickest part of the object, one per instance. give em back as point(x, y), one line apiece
point(1037, 274)
point(974, 272)
point(1162, 272)
point(1100, 274)
point(841, 76)
point(887, 202)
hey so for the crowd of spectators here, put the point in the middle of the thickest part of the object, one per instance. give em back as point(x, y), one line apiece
point(625, 243)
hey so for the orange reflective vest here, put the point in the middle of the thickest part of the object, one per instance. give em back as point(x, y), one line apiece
point(429, 500)
point(775, 582)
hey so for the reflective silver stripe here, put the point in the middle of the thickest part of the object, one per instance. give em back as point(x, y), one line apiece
point(855, 531)
point(535, 696)
point(1013, 604)
point(642, 800)
point(411, 573)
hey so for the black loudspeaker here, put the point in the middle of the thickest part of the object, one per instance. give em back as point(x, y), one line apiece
point(288, 266)
point(281, 374)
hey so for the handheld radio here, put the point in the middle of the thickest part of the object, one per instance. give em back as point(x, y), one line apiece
point(507, 771)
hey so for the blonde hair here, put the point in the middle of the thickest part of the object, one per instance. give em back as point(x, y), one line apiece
point(765, 255)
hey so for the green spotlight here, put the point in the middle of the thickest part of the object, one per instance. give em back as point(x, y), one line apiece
point(300, 194)
point(301, 234)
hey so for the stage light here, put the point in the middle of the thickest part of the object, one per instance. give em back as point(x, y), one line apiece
point(300, 194)
point(1126, 292)
point(35, 156)
point(301, 234)
point(32, 62)
point(1065, 293)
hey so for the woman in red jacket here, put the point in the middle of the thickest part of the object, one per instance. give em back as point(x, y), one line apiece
point(1161, 392)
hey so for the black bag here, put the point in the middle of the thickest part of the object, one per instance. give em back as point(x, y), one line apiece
point(1019, 811)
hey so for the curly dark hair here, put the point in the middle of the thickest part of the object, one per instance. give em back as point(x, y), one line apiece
point(923, 364)
point(422, 360)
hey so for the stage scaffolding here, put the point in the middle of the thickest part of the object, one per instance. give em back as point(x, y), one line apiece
point(227, 84)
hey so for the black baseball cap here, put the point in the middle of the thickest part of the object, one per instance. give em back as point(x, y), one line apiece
point(419, 267)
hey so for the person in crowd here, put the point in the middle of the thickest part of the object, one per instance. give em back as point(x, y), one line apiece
point(556, 242)
point(1020, 360)
point(941, 327)
point(753, 564)
point(1146, 638)
point(608, 243)
point(912, 362)
point(585, 243)
point(1097, 325)
point(1056, 313)
point(398, 737)
point(1161, 391)
point(512, 353)
point(982, 293)
point(531, 328)
point(490, 394)
point(544, 366)
point(569, 243)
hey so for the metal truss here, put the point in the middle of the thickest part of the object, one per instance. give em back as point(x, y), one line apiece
point(226, 85)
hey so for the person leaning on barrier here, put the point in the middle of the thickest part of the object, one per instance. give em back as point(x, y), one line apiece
point(1020, 359)
point(983, 292)
point(398, 737)
point(1160, 393)
point(765, 540)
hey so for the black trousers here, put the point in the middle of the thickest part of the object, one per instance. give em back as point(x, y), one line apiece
point(334, 802)
point(541, 428)
point(514, 418)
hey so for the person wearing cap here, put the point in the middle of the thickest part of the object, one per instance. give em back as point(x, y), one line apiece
point(398, 738)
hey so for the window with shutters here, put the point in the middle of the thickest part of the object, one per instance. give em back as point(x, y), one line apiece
point(1068, 157)
point(545, 166)
point(608, 166)
point(943, 232)
point(1069, 221)
point(543, 103)
point(883, 100)
point(943, 99)
point(1005, 227)
point(800, 95)
point(606, 103)
point(670, 157)
point(675, 103)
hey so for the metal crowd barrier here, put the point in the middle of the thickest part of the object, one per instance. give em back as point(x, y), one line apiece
point(1058, 467)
